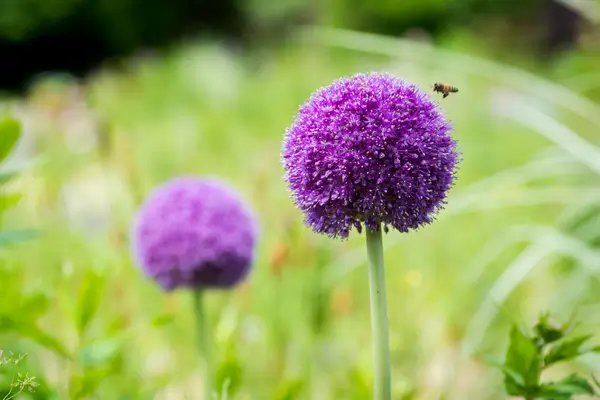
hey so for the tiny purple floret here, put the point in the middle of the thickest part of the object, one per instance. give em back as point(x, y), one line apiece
point(371, 149)
point(194, 233)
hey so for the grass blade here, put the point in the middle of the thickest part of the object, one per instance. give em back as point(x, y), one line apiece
point(510, 76)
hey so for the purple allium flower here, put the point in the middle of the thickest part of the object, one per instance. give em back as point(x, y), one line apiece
point(369, 149)
point(195, 233)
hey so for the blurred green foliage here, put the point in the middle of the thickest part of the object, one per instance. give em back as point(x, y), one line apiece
point(121, 24)
point(10, 133)
point(20, 19)
point(20, 309)
point(118, 24)
point(395, 17)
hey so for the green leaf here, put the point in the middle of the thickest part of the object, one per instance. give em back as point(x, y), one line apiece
point(229, 369)
point(596, 381)
point(513, 381)
point(9, 200)
point(100, 353)
point(162, 320)
point(566, 388)
point(16, 236)
point(568, 349)
point(32, 332)
point(88, 299)
point(522, 358)
point(34, 305)
point(289, 390)
point(82, 385)
point(10, 131)
point(513, 387)
point(548, 331)
point(97, 361)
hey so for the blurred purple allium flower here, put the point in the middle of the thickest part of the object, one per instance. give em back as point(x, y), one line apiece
point(195, 233)
point(369, 149)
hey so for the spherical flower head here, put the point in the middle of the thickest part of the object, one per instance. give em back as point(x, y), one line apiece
point(371, 149)
point(194, 233)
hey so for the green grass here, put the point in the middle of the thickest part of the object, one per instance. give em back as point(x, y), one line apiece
point(302, 331)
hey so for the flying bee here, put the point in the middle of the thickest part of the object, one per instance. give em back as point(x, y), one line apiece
point(445, 89)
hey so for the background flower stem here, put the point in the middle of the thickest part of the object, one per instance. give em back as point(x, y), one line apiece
point(379, 319)
point(204, 343)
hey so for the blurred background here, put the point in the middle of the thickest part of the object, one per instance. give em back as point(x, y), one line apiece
point(116, 96)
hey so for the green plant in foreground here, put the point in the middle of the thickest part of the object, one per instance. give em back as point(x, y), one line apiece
point(10, 132)
point(530, 354)
point(9, 365)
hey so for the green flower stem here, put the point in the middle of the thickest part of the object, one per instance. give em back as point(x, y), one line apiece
point(204, 343)
point(379, 319)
